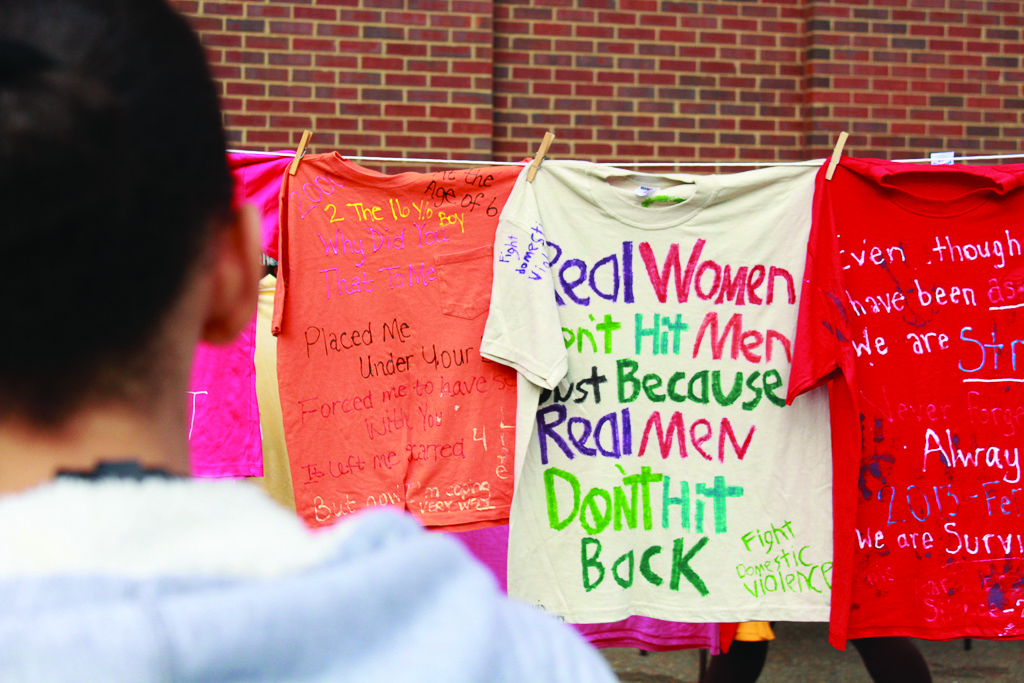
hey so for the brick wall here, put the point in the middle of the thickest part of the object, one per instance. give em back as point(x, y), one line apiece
point(381, 77)
point(908, 78)
point(619, 80)
point(643, 79)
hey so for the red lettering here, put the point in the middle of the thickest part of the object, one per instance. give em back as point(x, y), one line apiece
point(735, 326)
point(675, 426)
point(659, 280)
point(727, 429)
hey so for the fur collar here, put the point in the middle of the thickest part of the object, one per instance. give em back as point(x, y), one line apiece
point(156, 527)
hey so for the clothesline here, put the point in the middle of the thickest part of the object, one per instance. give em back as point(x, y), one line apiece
point(656, 164)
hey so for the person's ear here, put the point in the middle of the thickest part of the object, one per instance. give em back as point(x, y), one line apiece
point(234, 277)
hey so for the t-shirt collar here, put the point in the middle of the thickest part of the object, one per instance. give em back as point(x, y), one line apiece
point(697, 191)
point(941, 191)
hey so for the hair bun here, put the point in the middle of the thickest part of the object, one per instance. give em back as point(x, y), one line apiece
point(18, 60)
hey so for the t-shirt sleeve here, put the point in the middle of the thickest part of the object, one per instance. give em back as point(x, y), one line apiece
point(523, 329)
point(823, 326)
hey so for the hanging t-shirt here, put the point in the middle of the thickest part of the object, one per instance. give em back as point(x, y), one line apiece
point(258, 182)
point(915, 281)
point(383, 286)
point(664, 477)
point(223, 412)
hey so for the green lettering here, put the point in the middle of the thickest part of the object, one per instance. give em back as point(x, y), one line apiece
point(769, 388)
point(683, 501)
point(549, 491)
point(607, 326)
point(719, 493)
point(627, 582)
point(645, 565)
point(700, 379)
point(589, 561)
point(734, 393)
point(681, 566)
point(651, 383)
point(625, 369)
point(571, 339)
point(624, 509)
point(600, 519)
point(645, 478)
point(752, 403)
point(676, 378)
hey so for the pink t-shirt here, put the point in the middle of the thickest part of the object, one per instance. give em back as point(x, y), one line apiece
point(224, 419)
point(258, 182)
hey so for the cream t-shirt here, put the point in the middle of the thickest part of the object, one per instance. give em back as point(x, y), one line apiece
point(664, 475)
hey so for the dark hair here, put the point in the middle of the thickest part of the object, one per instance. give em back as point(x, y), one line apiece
point(112, 177)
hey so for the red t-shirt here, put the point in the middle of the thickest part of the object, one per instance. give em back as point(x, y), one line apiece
point(912, 300)
point(382, 293)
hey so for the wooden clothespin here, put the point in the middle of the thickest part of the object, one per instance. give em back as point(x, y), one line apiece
point(836, 154)
point(539, 159)
point(300, 152)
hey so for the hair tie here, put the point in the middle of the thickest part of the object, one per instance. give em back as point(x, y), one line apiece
point(18, 60)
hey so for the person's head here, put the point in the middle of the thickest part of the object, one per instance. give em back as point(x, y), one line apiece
point(115, 196)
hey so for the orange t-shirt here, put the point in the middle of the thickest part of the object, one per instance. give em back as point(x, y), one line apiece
point(383, 287)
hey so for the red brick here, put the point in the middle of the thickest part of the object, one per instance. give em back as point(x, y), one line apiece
point(206, 24)
point(222, 40)
point(300, 122)
point(377, 64)
point(680, 37)
point(734, 83)
point(759, 39)
point(1000, 117)
point(428, 126)
point(316, 13)
point(656, 78)
point(278, 106)
point(337, 61)
point(225, 8)
point(740, 24)
point(313, 107)
point(267, 43)
point(290, 91)
point(276, 11)
point(405, 80)
point(337, 30)
point(249, 89)
point(329, 46)
point(245, 121)
point(983, 103)
point(552, 89)
point(295, 28)
point(718, 38)
point(335, 123)
point(325, 93)
point(594, 90)
point(268, 136)
point(289, 59)
point(225, 73)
